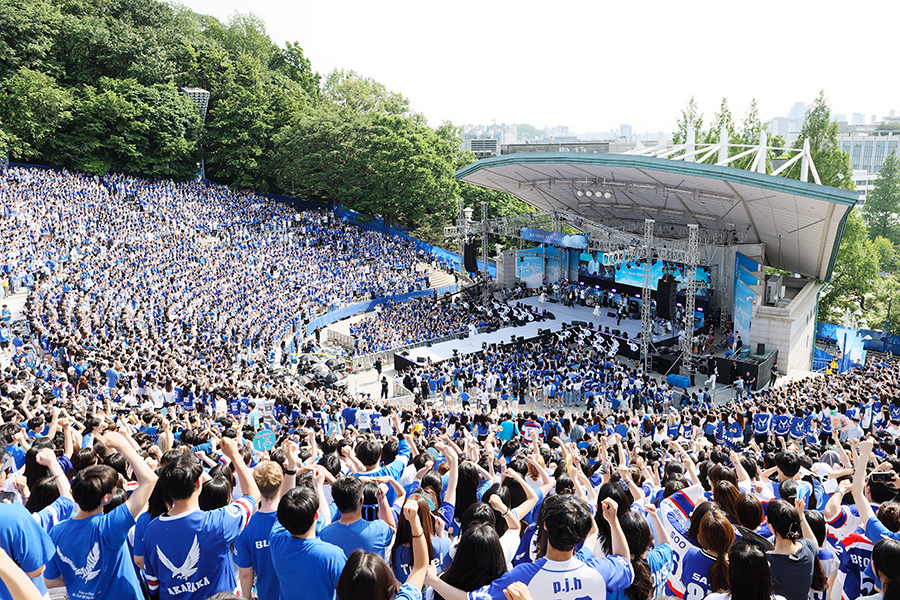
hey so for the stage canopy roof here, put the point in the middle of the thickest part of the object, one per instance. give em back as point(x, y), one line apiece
point(800, 223)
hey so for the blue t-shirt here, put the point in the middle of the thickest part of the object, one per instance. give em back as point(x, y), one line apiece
point(781, 425)
point(92, 556)
point(371, 536)
point(252, 550)
point(581, 577)
point(402, 561)
point(306, 569)
point(761, 423)
point(24, 540)
point(695, 572)
point(188, 556)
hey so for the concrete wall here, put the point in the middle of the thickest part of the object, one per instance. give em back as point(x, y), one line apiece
point(792, 329)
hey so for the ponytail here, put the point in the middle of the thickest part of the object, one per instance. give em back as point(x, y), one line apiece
point(819, 582)
point(641, 587)
point(718, 574)
point(716, 535)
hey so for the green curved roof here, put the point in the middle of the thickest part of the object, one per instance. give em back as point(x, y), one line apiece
point(800, 223)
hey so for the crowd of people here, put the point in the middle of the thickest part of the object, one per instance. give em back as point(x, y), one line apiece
point(395, 325)
point(146, 455)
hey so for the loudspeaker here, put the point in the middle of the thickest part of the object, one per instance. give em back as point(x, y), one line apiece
point(469, 260)
point(665, 297)
point(420, 359)
point(760, 348)
point(521, 338)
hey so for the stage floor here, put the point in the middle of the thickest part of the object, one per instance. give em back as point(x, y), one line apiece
point(564, 314)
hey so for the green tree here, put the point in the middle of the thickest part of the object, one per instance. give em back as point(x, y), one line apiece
point(362, 94)
point(831, 163)
point(855, 273)
point(882, 207)
point(124, 126)
point(884, 249)
point(691, 117)
point(36, 109)
point(27, 31)
point(291, 61)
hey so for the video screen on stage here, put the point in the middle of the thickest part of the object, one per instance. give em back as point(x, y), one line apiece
point(633, 274)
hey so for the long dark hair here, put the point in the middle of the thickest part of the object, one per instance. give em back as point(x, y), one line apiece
point(615, 492)
point(366, 576)
point(886, 564)
point(716, 535)
point(479, 560)
point(748, 571)
point(466, 488)
point(637, 532)
point(404, 531)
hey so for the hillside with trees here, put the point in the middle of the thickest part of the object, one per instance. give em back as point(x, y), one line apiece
point(94, 85)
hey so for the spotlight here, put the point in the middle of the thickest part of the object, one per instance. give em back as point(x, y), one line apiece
point(589, 193)
point(579, 193)
point(607, 195)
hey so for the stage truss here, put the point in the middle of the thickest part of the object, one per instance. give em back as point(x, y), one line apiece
point(618, 247)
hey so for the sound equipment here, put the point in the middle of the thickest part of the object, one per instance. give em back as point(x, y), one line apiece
point(521, 338)
point(471, 263)
point(665, 297)
point(611, 313)
point(420, 359)
point(549, 315)
point(760, 348)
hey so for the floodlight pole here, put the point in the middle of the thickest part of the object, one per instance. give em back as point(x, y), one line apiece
point(646, 324)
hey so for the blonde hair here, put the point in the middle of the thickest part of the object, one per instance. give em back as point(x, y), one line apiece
point(268, 476)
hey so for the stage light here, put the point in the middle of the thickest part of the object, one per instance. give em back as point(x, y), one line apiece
point(700, 309)
point(589, 193)
point(607, 195)
point(614, 290)
point(579, 193)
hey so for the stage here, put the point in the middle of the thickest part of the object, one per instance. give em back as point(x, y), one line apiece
point(629, 328)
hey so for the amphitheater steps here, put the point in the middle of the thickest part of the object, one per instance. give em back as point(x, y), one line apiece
point(438, 278)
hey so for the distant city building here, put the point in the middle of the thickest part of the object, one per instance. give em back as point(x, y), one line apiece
point(858, 119)
point(625, 132)
point(198, 96)
point(864, 182)
point(484, 148)
point(868, 148)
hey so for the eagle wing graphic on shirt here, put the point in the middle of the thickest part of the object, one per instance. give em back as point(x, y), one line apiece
point(189, 567)
point(88, 572)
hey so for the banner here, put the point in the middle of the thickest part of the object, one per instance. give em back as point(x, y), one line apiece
point(675, 514)
point(743, 309)
point(575, 241)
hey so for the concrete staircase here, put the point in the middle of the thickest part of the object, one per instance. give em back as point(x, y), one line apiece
point(438, 278)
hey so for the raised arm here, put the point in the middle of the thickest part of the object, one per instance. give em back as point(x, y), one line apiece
point(617, 536)
point(662, 536)
point(47, 458)
point(419, 548)
point(243, 473)
point(142, 472)
point(859, 482)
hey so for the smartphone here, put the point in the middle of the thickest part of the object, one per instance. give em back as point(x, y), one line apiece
point(8, 497)
point(883, 476)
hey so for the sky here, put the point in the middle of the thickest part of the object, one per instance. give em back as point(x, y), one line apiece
point(594, 65)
